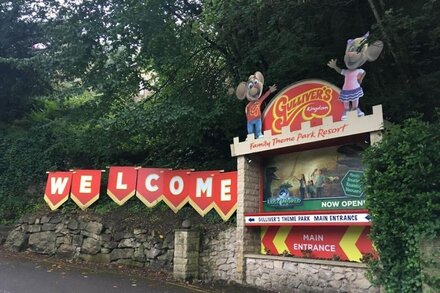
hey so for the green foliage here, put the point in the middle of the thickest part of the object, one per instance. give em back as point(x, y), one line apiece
point(187, 55)
point(402, 182)
point(69, 130)
point(22, 75)
point(409, 78)
point(188, 52)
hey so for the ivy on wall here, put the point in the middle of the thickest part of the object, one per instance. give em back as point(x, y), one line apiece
point(402, 182)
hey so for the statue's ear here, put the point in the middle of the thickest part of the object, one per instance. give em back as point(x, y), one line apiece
point(240, 92)
point(374, 50)
point(259, 76)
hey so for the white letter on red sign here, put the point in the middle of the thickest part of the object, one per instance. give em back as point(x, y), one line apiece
point(148, 184)
point(179, 181)
point(85, 187)
point(204, 187)
point(85, 184)
point(58, 185)
point(119, 184)
point(57, 188)
point(225, 190)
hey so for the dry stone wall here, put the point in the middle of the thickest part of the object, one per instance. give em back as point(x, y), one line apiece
point(217, 258)
point(92, 240)
point(98, 241)
point(186, 254)
point(430, 256)
point(217, 261)
point(306, 275)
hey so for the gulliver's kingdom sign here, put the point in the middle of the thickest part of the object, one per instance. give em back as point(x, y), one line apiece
point(308, 100)
point(311, 201)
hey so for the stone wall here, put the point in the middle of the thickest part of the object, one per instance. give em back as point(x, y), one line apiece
point(248, 201)
point(281, 274)
point(186, 254)
point(4, 232)
point(430, 259)
point(217, 255)
point(99, 241)
point(285, 274)
point(92, 240)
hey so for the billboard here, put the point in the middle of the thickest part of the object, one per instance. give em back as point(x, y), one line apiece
point(320, 179)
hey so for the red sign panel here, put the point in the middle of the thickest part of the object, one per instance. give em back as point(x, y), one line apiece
point(309, 100)
point(225, 195)
point(176, 189)
point(121, 183)
point(57, 189)
point(85, 187)
point(341, 242)
point(203, 190)
point(149, 187)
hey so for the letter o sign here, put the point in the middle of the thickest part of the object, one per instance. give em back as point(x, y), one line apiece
point(176, 185)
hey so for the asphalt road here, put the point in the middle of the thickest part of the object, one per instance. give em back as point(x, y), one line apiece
point(21, 275)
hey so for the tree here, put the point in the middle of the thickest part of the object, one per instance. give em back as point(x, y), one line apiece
point(176, 47)
point(189, 56)
point(403, 195)
point(21, 76)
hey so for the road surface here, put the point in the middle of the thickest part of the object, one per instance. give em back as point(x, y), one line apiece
point(21, 275)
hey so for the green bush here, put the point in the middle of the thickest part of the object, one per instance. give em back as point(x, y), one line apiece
point(402, 180)
point(71, 129)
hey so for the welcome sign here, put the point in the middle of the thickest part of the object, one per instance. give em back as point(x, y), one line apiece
point(203, 190)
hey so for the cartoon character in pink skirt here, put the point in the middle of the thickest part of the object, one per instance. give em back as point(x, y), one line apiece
point(358, 52)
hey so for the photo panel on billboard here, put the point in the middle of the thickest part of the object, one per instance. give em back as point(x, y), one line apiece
point(328, 178)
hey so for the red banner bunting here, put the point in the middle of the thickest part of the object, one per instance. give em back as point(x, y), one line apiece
point(176, 188)
point(57, 189)
point(121, 183)
point(225, 195)
point(203, 190)
point(149, 187)
point(85, 187)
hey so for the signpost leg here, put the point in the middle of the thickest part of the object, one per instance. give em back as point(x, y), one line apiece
point(248, 239)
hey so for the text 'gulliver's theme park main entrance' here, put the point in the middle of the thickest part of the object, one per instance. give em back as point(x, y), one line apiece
point(307, 172)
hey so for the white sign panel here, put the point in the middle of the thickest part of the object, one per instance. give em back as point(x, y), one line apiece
point(266, 220)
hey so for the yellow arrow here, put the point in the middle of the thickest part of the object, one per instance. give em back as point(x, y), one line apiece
point(348, 243)
point(280, 239)
point(262, 233)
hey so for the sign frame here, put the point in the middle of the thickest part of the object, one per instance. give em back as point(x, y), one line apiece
point(278, 218)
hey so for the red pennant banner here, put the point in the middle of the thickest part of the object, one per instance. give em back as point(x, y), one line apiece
point(85, 187)
point(203, 190)
point(225, 195)
point(149, 187)
point(57, 189)
point(176, 188)
point(121, 183)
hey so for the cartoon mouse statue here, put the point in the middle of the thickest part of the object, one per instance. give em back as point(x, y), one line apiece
point(252, 90)
point(357, 52)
